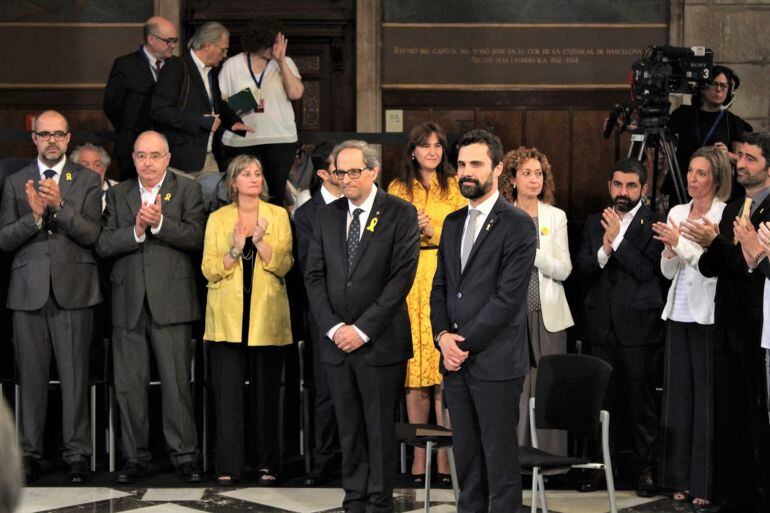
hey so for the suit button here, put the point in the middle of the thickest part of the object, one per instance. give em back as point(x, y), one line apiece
point(459, 295)
point(350, 284)
point(50, 232)
point(454, 326)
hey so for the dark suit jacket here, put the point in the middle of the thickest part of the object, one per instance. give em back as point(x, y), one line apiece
point(304, 219)
point(127, 99)
point(626, 294)
point(738, 300)
point(373, 295)
point(180, 109)
point(57, 259)
point(160, 268)
point(487, 302)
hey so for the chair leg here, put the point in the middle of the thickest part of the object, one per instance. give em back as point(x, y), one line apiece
point(111, 422)
point(17, 405)
point(306, 428)
point(604, 418)
point(93, 428)
point(533, 508)
point(541, 485)
point(453, 471)
point(205, 393)
point(428, 458)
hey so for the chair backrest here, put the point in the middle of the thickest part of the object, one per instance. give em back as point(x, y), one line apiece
point(570, 391)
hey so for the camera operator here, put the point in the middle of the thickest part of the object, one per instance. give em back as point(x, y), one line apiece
point(708, 121)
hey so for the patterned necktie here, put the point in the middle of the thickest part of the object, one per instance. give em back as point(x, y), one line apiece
point(470, 235)
point(158, 64)
point(49, 173)
point(354, 232)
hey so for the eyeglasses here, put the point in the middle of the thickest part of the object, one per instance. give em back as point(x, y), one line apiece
point(720, 86)
point(168, 40)
point(352, 173)
point(46, 136)
point(151, 156)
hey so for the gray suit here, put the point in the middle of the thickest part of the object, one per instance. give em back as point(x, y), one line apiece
point(154, 297)
point(53, 285)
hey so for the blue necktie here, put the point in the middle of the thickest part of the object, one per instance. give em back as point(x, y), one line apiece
point(354, 233)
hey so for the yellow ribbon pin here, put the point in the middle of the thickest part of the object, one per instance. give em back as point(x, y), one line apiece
point(167, 197)
point(372, 224)
point(544, 230)
point(68, 177)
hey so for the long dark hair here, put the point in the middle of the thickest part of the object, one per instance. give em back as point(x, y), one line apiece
point(410, 169)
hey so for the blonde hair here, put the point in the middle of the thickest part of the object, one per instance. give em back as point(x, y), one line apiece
point(721, 170)
point(236, 167)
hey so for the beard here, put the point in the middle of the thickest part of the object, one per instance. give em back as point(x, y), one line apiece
point(473, 189)
point(624, 203)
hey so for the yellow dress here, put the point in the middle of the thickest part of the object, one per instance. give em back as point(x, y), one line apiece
point(423, 370)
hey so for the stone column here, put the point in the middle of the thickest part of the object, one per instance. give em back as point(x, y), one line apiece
point(368, 80)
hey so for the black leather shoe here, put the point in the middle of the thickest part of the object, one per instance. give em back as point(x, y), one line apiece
point(131, 473)
point(79, 472)
point(31, 469)
point(593, 481)
point(646, 486)
point(190, 472)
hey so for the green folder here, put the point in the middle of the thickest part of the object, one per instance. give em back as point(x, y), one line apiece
point(242, 102)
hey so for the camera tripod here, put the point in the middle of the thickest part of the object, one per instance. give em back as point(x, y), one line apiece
point(659, 140)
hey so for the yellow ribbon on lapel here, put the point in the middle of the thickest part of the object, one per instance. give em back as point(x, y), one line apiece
point(68, 177)
point(372, 224)
point(167, 197)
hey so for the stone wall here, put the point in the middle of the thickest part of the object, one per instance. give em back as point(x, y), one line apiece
point(737, 31)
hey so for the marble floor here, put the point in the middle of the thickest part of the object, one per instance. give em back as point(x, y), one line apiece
point(99, 499)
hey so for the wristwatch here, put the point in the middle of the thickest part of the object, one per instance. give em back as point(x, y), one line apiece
point(234, 253)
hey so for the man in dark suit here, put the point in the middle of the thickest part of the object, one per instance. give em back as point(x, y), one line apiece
point(150, 228)
point(130, 86)
point(49, 219)
point(188, 107)
point(619, 261)
point(359, 269)
point(326, 447)
point(478, 312)
point(734, 255)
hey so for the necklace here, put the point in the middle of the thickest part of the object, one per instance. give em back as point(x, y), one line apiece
point(248, 258)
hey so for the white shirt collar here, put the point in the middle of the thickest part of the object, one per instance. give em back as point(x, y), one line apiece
point(485, 207)
point(151, 57)
point(58, 167)
point(631, 213)
point(199, 63)
point(366, 206)
point(327, 196)
point(155, 189)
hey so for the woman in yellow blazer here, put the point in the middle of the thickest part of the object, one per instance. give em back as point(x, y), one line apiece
point(427, 181)
point(527, 182)
point(246, 253)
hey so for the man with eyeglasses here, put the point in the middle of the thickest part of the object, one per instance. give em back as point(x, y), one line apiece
point(359, 268)
point(187, 106)
point(708, 121)
point(50, 220)
point(130, 86)
point(150, 229)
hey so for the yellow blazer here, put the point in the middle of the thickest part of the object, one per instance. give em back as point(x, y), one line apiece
point(269, 323)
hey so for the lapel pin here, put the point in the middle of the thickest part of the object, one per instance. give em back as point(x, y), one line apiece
point(641, 221)
point(167, 197)
point(544, 230)
point(68, 177)
point(372, 224)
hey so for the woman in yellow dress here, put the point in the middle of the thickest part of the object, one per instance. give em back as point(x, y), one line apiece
point(427, 181)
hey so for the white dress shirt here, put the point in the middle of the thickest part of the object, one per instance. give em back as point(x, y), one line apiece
point(363, 217)
point(485, 207)
point(57, 168)
point(204, 72)
point(148, 197)
point(151, 60)
point(625, 222)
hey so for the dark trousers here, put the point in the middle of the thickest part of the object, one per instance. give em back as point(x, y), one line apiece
point(326, 450)
point(131, 359)
point(276, 159)
point(66, 334)
point(484, 417)
point(365, 399)
point(231, 366)
point(687, 418)
point(741, 431)
point(631, 397)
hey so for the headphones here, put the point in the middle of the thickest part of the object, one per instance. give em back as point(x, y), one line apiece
point(733, 84)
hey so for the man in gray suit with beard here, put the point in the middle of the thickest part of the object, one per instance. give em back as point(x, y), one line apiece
point(49, 220)
point(150, 227)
